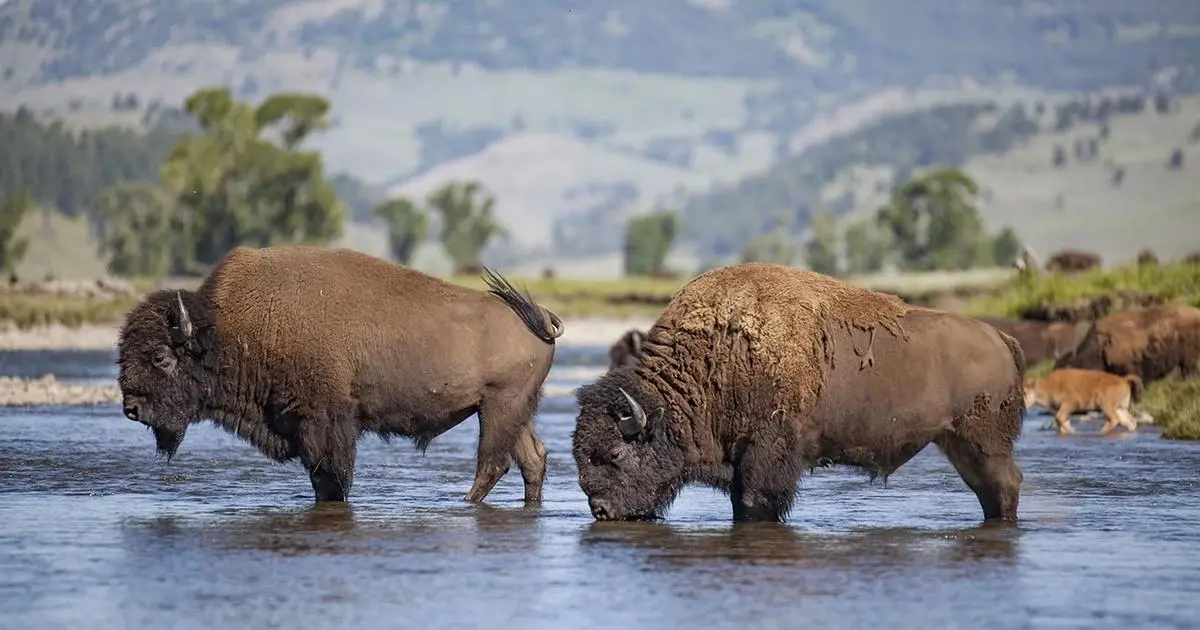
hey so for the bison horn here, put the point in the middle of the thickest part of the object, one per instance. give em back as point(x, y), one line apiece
point(637, 341)
point(185, 320)
point(632, 425)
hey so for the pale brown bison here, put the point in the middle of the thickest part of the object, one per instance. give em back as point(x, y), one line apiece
point(1072, 261)
point(299, 350)
point(1151, 342)
point(1071, 390)
point(626, 350)
point(756, 372)
point(1040, 341)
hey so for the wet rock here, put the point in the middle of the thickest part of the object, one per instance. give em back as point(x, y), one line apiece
point(48, 390)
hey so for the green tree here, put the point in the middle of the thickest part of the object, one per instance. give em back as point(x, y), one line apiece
point(1006, 247)
point(776, 246)
point(866, 248)
point(648, 240)
point(141, 229)
point(13, 209)
point(821, 251)
point(407, 226)
point(468, 221)
point(934, 224)
point(240, 186)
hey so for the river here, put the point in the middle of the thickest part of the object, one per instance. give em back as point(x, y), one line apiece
point(99, 533)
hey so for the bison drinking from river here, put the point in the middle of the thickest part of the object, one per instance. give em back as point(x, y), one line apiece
point(300, 349)
point(756, 372)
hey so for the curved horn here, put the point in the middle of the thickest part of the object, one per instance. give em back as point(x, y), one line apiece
point(638, 417)
point(185, 320)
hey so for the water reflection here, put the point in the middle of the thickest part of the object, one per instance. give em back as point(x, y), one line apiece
point(776, 544)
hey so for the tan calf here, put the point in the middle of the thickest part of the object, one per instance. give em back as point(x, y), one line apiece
point(1069, 390)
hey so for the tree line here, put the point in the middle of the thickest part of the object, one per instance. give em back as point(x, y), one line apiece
point(930, 222)
point(175, 204)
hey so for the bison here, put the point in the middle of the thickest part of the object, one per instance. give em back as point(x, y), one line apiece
point(300, 349)
point(756, 372)
point(1151, 342)
point(1072, 261)
point(1040, 341)
point(1071, 390)
point(626, 350)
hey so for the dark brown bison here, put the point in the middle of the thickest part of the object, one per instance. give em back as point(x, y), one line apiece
point(1192, 259)
point(1147, 258)
point(756, 372)
point(626, 350)
point(1040, 341)
point(299, 350)
point(1072, 261)
point(1148, 342)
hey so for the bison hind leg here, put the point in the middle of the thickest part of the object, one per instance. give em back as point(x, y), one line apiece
point(506, 430)
point(992, 474)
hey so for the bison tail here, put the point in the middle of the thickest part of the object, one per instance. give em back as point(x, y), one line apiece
point(1018, 354)
point(1136, 387)
point(541, 322)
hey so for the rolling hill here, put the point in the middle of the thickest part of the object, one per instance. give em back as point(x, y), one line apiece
point(581, 113)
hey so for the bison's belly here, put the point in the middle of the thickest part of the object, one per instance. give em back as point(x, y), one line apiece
point(874, 439)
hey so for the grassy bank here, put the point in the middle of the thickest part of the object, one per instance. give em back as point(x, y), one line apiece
point(1124, 285)
point(568, 297)
point(1175, 405)
point(25, 311)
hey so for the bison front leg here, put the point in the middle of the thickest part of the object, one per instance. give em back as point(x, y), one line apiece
point(764, 482)
point(328, 448)
point(994, 477)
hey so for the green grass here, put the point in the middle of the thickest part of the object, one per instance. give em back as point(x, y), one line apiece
point(27, 311)
point(1038, 370)
point(1168, 283)
point(1175, 405)
point(568, 297)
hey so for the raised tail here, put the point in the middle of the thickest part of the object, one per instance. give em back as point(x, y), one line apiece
point(540, 321)
point(1018, 359)
point(1136, 387)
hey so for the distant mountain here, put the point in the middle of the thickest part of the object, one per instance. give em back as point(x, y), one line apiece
point(636, 102)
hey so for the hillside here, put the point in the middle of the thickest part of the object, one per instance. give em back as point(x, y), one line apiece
point(583, 112)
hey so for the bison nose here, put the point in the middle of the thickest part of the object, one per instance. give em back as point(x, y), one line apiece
point(130, 409)
point(601, 509)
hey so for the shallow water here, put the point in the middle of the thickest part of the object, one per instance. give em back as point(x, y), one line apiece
point(98, 533)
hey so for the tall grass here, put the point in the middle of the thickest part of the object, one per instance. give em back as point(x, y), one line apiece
point(1169, 283)
point(1175, 405)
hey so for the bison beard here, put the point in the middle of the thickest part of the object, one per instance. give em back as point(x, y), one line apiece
point(167, 441)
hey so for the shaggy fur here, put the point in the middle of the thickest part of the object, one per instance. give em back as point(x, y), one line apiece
point(1150, 342)
point(757, 372)
point(1040, 341)
point(627, 350)
point(299, 350)
point(1071, 390)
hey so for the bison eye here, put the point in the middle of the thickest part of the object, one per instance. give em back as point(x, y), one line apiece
point(164, 361)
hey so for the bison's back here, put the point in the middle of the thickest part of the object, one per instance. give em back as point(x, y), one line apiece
point(321, 307)
point(767, 322)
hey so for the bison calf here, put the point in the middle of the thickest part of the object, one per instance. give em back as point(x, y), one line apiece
point(756, 372)
point(1070, 390)
point(299, 350)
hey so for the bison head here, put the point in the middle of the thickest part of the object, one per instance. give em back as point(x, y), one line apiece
point(631, 461)
point(160, 372)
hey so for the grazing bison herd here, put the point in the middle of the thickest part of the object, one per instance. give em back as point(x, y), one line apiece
point(751, 375)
